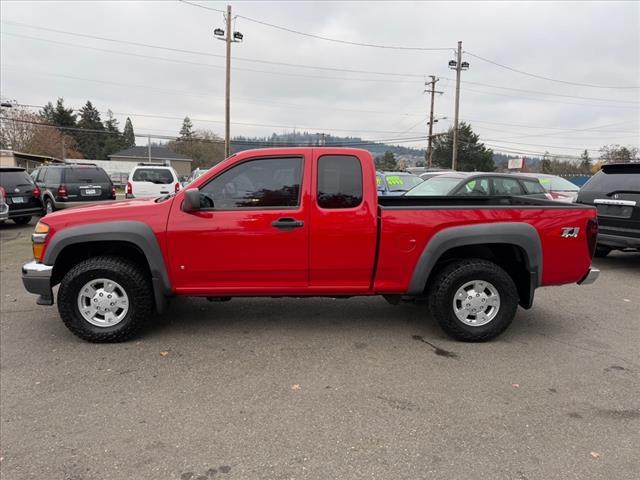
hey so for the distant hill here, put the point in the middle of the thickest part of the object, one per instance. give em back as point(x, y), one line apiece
point(313, 139)
point(411, 155)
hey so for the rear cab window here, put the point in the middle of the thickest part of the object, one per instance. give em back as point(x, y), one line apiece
point(339, 181)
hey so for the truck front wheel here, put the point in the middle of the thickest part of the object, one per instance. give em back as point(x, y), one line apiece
point(473, 300)
point(105, 299)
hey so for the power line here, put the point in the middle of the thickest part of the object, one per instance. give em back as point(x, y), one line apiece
point(537, 92)
point(207, 54)
point(320, 37)
point(566, 82)
point(549, 100)
point(201, 6)
point(246, 142)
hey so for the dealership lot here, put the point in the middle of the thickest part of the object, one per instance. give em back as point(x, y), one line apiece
point(323, 388)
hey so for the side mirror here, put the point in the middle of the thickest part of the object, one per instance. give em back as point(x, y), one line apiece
point(191, 202)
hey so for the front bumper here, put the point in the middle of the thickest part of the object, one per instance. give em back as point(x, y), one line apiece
point(591, 276)
point(36, 278)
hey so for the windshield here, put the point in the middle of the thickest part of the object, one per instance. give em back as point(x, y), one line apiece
point(440, 185)
point(402, 183)
point(558, 183)
point(86, 175)
point(159, 176)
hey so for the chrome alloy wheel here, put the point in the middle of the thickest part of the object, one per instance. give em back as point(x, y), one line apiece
point(103, 302)
point(476, 303)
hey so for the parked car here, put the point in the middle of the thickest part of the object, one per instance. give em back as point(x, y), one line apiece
point(479, 184)
point(20, 198)
point(72, 185)
point(307, 222)
point(148, 180)
point(559, 188)
point(615, 192)
point(396, 183)
point(428, 175)
point(196, 173)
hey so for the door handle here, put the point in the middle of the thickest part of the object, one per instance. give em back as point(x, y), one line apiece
point(287, 223)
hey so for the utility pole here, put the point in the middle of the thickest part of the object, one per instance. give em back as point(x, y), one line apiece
point(63, 150)
point(431, 120)
point(229, 37)
point(149, 147)
point(458, 65)
point(227, 93)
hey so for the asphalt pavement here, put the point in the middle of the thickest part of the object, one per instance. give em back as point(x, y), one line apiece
point(324, 389)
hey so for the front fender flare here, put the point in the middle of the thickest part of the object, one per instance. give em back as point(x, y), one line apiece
point(137, 233)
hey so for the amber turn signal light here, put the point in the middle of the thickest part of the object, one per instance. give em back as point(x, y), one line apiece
point(38, 238)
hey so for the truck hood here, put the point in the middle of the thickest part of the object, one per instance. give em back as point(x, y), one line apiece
point(145, 210)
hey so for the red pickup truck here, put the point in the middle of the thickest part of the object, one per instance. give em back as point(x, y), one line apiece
point(306, 222)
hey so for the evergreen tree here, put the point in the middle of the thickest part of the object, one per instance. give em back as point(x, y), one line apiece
point(58, 115)
point(473, 156)
point(128, 137)
point(386, 162)
point(186, 132)
point(545, 164)
point(113, 139)
point(91, 143)
point(585, 162)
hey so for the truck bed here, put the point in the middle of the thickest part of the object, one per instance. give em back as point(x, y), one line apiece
point(466, 202)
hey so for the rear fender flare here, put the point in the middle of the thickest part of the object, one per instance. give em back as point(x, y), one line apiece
point(521, 235)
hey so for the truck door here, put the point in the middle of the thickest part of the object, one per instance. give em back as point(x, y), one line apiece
point(343, 223)
point(251, 235)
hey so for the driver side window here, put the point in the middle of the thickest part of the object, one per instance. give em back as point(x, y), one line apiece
point(265, 182)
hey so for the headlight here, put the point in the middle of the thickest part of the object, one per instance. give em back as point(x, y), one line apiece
point(38, 238)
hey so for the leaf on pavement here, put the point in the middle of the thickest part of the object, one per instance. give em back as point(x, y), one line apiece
point(295, 386)
point(164, 354)
point(595, 455)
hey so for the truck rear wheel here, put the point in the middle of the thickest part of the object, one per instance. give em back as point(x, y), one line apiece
point(473, 300)
point(105, 299)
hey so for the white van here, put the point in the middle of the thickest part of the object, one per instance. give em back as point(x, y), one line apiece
point(152, 180)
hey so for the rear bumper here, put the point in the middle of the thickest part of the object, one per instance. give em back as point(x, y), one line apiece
point(36, 278)
point(591, 276)
point(618, 241)
point(23, 212)
point(63, 205)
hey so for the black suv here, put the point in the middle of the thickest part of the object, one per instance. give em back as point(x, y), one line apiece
point(615, 192)
point(65, 186)
point(20, 196)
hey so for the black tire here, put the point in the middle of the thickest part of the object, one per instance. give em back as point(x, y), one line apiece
point(445, 285)
point(22, 220)
point(49, 207)
point(601, 252)
point(133, 279)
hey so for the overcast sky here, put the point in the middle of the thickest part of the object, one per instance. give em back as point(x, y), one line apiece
point(593, 43)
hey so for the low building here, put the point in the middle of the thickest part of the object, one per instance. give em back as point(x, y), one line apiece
point(29, 161)
point(157, 154)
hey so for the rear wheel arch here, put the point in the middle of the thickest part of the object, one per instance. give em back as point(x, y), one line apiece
point(515, 247)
